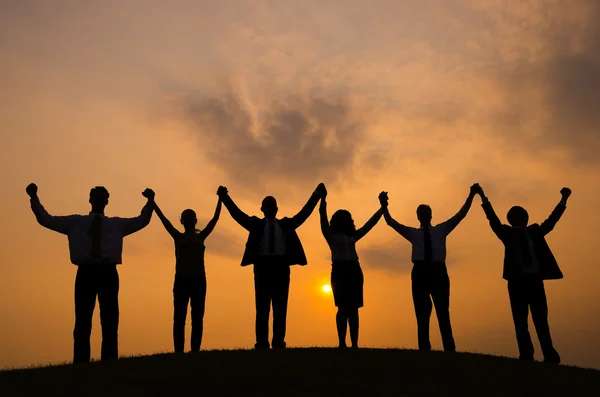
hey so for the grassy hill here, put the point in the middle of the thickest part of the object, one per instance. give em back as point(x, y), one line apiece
point(305, 372)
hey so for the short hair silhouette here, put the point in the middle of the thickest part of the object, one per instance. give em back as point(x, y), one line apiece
point(424, 213)
point(342, 222)
point(269, 207)
point(517, 216)
point(99, 190)
point(189, 219)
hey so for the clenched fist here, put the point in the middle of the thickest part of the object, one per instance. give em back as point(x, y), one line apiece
point(565, 192)
point(31, 190)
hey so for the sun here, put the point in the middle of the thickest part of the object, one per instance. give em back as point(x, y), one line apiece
point(327, 288)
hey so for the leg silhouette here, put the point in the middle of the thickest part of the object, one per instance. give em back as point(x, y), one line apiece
point(353, 323)
point(263, 297)
point(181, 299)
point(341, 322)
point(281, 288)
point(108, 299)
point(440, 292)
point(198, 303)
point(85, 302)
point(519, 304)
point(422, 303)
point(539, 314)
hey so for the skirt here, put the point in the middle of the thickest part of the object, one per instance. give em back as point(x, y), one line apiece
point(347, 284)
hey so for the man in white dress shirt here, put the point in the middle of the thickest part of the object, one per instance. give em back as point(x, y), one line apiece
point(429, 274)
point(95, 246)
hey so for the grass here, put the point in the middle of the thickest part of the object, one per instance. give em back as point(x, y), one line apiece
point(304, 372)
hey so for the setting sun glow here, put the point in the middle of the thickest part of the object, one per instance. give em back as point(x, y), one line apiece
point(327, 288)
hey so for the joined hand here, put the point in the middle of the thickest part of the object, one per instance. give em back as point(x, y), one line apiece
point(222, 191)
point(149, 194)
point(383, 199)
point(321, 190)
point(476, 189)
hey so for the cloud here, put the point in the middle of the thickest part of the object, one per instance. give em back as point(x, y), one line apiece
point(224, 245)
point(392, 256)
point(305, 137)
point(551, 100)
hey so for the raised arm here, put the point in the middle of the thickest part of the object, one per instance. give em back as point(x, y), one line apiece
point(60, 224)
point(497, 227)
point(383, 200)
point(547, 226)
point(402, 230)
point(132, 225)
point(166, 223)
point(210, 226)
point(451, 223)
point(237, 214)
point(298, 219)
point(324, 219)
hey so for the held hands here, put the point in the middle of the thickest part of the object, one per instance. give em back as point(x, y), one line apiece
point(31, 190)
point(475, 189)
point(321, 190)
point(222, 191)
point(383, 199)
point(149, 194)
point(565, 192)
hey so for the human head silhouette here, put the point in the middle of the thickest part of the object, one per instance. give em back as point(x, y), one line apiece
point(517, 216)
point(99, 199)
point(269, 207)
point(342, 222)
point(424, 214)
point(188, 219)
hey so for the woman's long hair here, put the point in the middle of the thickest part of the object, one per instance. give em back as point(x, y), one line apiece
point(342, 222)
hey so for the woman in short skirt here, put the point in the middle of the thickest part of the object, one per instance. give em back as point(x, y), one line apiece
point(346, 274)
point(189, 287)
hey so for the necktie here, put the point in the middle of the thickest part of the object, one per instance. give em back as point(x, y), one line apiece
point(428, 248)
point(96, 236)
point(271, 236)
point(525, 251)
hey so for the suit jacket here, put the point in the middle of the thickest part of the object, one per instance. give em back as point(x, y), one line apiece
point(511, 236)
point(294, 251)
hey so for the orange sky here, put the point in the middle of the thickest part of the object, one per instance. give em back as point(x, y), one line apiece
point(272, 97)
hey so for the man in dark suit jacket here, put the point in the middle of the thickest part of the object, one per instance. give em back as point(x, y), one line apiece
point(272, 247)
point(528, 261)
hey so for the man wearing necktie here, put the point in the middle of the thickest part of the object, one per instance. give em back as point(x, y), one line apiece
point(429, 275)
point(95, 246)
point(528, 261)
point(272, 247)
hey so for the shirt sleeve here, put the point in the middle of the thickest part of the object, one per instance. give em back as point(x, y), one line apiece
point(132, 225)
point(60, 224)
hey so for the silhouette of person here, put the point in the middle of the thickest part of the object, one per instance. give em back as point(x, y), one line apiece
point(346, 274)
point(272, 247)
point(96, 246)
point(429, 274)
point(190, 277)
point(528, 261)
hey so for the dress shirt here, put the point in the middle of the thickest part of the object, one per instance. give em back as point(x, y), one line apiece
point(272, 226)
point(438, 235)
point(78, 228)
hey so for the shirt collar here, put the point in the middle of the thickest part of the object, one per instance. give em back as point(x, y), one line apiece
point(96, 213)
